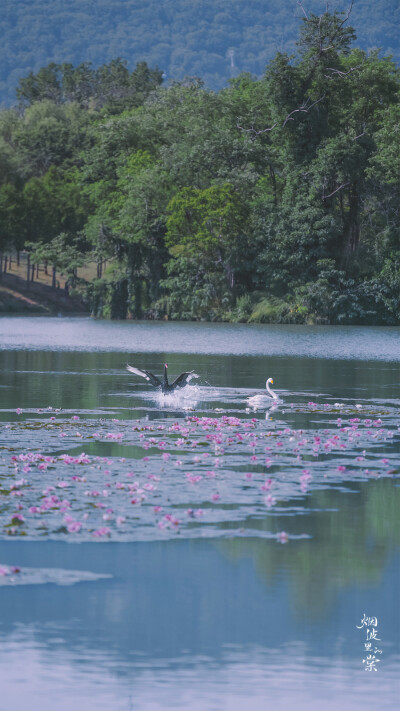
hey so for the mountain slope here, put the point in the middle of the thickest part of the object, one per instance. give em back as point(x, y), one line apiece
point(213, 39)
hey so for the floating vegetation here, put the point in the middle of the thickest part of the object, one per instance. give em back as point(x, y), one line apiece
point(12, 575)
point(87, 478)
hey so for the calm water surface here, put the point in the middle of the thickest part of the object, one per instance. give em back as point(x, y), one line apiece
point(86, 334)
point(197, 551)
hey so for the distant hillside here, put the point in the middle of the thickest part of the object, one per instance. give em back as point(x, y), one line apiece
point(212, 39)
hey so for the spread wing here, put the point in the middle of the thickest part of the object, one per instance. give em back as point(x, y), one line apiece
point(183, 379)
point(144, 374)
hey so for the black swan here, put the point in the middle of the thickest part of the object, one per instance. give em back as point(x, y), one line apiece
point(179, 382)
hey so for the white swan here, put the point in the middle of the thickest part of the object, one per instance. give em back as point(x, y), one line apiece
point(262, 399)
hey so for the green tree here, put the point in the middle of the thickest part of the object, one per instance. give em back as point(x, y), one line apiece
point(50, 134)
point(63, 252)
point(53, 203)
point(46, 84)
point(206, 236)
point(12, 218)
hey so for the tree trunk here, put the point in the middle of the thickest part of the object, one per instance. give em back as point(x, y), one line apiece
point(53, 280)
point(45, 267)
point(137, 291)
point(37, 271)
point(1, 265)
point(352, 229)
point(342, 210)
point(17, 257)
point(5, 264)
point(273, 182)
point(74, 277)
point(28, 270)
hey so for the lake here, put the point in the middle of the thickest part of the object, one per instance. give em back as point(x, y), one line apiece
point(203, 549)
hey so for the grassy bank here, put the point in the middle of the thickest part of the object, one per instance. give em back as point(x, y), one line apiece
point(17, 295)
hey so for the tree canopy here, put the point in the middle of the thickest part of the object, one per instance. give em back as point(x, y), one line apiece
point(274, 198)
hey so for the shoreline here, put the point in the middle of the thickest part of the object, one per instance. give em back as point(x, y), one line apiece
point(18, 297)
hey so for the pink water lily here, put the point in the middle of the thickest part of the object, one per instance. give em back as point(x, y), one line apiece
point(103, 531)
point(74, 527)
point(224, 439)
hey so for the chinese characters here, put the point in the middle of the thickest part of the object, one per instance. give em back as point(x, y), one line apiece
point(371, 626)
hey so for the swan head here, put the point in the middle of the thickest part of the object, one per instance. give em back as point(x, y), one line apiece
point(271, 392)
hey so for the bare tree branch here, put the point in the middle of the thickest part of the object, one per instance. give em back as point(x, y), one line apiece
point(344, 185)
point(360, 135)
point(343, 21)
point(342, 74)
point(304, 12)
point(348, 13)
point(254, 131)
point(304, 108)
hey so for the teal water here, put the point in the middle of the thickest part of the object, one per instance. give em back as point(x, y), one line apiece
point(203, 552)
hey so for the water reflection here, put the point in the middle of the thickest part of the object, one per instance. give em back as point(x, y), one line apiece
point(350, 546)
point(250, 679)
point(194, 616)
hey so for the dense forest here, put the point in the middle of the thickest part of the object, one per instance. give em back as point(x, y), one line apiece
point(273, 199)
point(212, 39)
